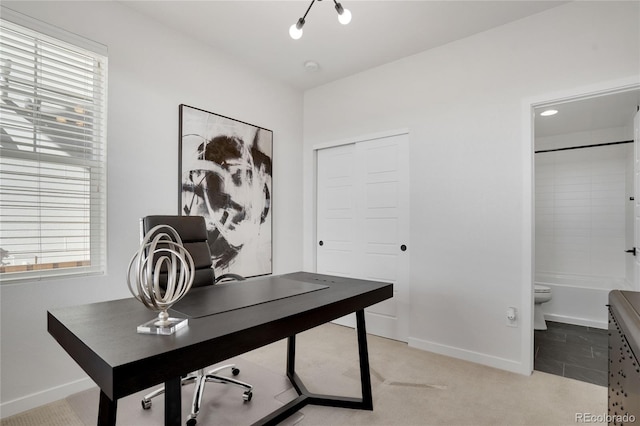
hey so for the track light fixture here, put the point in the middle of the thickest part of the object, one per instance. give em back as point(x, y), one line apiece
point(344, 16)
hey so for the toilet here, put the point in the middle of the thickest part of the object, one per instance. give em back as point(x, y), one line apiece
point(542, 295)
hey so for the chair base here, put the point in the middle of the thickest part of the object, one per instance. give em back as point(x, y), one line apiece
point(200, 378)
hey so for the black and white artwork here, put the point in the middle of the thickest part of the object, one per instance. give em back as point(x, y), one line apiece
point(226, 177)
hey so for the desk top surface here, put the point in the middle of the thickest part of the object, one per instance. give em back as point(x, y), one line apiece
point(201, 302)
point(102, 337)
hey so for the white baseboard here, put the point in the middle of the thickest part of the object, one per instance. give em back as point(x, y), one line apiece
point(466, 355)
point(576, 321)
point(44, 397)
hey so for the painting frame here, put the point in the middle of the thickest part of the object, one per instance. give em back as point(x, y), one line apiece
point(225, 174)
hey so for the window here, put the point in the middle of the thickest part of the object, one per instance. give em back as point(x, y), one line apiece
point(52, 153)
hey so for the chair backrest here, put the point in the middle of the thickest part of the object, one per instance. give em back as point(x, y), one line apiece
point(193, 232)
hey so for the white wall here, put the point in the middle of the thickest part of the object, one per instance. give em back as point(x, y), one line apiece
point(151, 71)
point(470, 164)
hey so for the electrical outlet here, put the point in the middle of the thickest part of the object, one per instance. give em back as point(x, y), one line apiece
point(512, 317)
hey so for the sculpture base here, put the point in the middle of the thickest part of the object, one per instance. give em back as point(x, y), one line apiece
point(172, 325)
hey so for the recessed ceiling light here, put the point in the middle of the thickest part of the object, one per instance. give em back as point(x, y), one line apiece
point(548, 112)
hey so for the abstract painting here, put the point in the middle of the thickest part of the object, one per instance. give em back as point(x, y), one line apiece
point(226, 177)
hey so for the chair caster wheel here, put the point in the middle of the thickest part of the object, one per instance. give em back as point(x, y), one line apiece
point(192, 422)
point(146, 404)
point(247, 395)
point(235, 371)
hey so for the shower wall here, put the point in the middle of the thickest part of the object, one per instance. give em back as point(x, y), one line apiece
point(583, 223)
point(581, 202)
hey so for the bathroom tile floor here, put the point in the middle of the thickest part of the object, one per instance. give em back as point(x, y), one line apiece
point(572, 351)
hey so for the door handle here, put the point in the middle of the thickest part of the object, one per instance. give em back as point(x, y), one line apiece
point(632, 251)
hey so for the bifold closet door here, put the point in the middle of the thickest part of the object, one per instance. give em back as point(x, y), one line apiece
point(363, 223)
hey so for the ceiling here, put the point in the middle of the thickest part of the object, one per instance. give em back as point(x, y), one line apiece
point(256, 33)
point(591, 113)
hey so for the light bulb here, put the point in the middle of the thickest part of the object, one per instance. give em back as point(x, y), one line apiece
point(344, 17)
point(295, 32)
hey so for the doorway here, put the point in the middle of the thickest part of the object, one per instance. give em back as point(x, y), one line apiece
point(583, 223)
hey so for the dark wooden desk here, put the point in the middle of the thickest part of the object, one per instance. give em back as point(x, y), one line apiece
point(102, 339)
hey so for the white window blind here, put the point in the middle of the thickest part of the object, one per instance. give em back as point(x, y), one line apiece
point(52, 156)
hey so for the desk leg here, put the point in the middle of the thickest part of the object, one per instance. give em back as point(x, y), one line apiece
point(106, 410)
point(364, 403)
point(172, 402)
point(363, 351)
point(291, 355)
point(305, 397)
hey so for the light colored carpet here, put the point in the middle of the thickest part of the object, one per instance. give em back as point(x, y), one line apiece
point(410, 387)
point(58, 413)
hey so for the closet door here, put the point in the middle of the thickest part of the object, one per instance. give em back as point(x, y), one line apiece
point(363, 193)
point(336, 215)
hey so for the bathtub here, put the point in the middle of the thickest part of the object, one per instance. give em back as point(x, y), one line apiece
point(578, 299)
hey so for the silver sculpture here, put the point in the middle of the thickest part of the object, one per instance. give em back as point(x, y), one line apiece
point(161, 255)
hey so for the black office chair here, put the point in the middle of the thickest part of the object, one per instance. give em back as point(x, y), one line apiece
point(193, 232)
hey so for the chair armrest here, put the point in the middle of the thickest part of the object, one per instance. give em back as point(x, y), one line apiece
point(229, 277)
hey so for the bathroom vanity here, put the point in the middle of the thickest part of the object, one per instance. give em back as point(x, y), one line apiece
point(624, 350)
